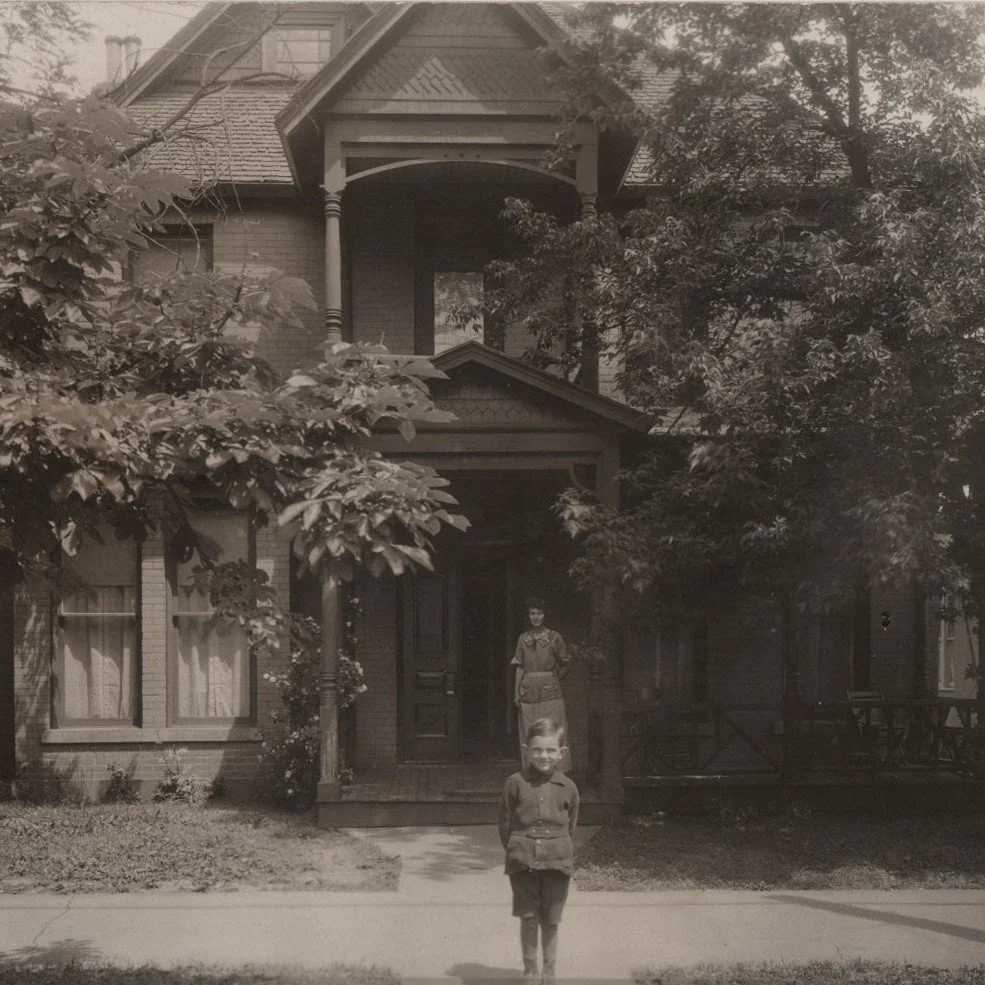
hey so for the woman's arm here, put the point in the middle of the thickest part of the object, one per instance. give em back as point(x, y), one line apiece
point(517, 662)
point(562, 658)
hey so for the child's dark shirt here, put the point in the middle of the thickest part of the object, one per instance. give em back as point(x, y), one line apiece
point(537, 817)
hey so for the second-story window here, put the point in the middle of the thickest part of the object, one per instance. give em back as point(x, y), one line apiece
point(176, 248)
point(456, 294)
point(299, 52)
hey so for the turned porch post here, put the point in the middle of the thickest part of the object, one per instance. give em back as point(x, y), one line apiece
point(587, 182)
point(333, 267)
point(329, 787)
point(589, 376)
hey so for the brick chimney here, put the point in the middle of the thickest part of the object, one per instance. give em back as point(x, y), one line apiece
point(131, 54)
point(114, 59)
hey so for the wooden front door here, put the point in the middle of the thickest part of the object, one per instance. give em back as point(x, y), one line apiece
point(431, 667)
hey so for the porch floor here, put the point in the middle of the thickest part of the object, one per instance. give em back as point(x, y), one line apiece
point(438, 793)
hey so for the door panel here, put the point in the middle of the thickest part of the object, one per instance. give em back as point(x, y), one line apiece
point(431, 667)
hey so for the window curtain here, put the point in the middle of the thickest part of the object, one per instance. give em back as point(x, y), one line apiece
point(213, 669)
point(100, 645)
point(213, 656)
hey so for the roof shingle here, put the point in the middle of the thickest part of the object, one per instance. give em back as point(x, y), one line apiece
point(229, 136)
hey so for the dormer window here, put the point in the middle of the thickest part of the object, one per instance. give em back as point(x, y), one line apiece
point(299, 52)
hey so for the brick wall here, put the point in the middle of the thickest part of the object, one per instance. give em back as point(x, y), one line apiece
point(288, 236)
point(380, 232)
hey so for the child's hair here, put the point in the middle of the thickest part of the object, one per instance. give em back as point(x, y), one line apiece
point(536, 603)
point(545, 727)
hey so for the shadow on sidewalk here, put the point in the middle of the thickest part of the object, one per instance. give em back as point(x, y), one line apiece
point(68, 951)
point(883, 916)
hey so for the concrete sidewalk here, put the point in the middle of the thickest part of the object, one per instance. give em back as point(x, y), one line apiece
point(450, 922)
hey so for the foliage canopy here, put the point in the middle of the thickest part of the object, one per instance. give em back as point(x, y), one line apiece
point(797, 299)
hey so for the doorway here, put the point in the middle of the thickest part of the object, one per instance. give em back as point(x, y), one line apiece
point(457, 624)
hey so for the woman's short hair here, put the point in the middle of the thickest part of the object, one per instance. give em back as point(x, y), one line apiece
point(546, 728)
point(536, 603)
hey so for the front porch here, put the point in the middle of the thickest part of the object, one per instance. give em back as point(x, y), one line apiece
point(459, 792)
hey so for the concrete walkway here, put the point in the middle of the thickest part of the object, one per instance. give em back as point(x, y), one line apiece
point(450, 922)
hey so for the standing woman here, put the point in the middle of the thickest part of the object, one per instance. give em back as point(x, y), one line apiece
point(541, 660)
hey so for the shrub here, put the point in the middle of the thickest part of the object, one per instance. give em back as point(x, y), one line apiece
point(294, 751)
point(121, 789)
point(178, 786)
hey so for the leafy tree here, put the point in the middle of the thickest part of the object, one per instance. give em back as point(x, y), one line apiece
point(798, 303)
point(123, 403)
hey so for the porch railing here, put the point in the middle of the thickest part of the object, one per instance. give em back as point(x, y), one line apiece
point(886, 734)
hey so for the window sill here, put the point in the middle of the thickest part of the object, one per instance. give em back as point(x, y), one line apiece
point(107, 734)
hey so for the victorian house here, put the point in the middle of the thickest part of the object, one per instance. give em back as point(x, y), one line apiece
point(368, 148)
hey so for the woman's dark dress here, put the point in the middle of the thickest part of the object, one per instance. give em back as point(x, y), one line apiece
point(544, 661)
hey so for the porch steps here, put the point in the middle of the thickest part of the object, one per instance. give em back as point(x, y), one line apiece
point(436, 794)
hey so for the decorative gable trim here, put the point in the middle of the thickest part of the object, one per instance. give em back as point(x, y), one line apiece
point(553, 386)
point(375, 32)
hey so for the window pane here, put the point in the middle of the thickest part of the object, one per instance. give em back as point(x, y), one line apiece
point(184, 249)
point(98, 634)
point(453, 291)
point(213, 658)
point(302, 51)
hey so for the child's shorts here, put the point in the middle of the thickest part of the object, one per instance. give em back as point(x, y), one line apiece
point(540, 893)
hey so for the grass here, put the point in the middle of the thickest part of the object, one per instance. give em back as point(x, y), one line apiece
point(647, 852)
point(15, 974)
point(814, 973)
point(127, 848)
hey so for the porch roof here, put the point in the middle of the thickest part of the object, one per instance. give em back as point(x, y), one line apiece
point(604, 408)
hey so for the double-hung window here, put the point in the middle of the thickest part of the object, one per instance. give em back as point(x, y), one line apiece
point(211, 676)
point(96, 672)
point(176, 248)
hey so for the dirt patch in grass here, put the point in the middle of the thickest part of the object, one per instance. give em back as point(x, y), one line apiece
point(11, 974)
point(647, 852)
point(813, 973)
point(128, 848)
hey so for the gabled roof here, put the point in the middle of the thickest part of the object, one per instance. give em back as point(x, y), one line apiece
point(474, 353)
point(361, 46)
point(138, 81)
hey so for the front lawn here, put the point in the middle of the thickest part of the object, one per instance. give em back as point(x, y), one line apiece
point(814, 973)
point(11, 974)
point(127, 848)
point(646, 852)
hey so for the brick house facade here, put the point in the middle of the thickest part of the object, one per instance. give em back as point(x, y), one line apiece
point(377, 175)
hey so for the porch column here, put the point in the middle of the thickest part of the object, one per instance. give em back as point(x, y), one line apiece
point(587, 182)
point(329, 787)
point(333, 267)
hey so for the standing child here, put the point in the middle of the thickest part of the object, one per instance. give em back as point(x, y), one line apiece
point(538, 812)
